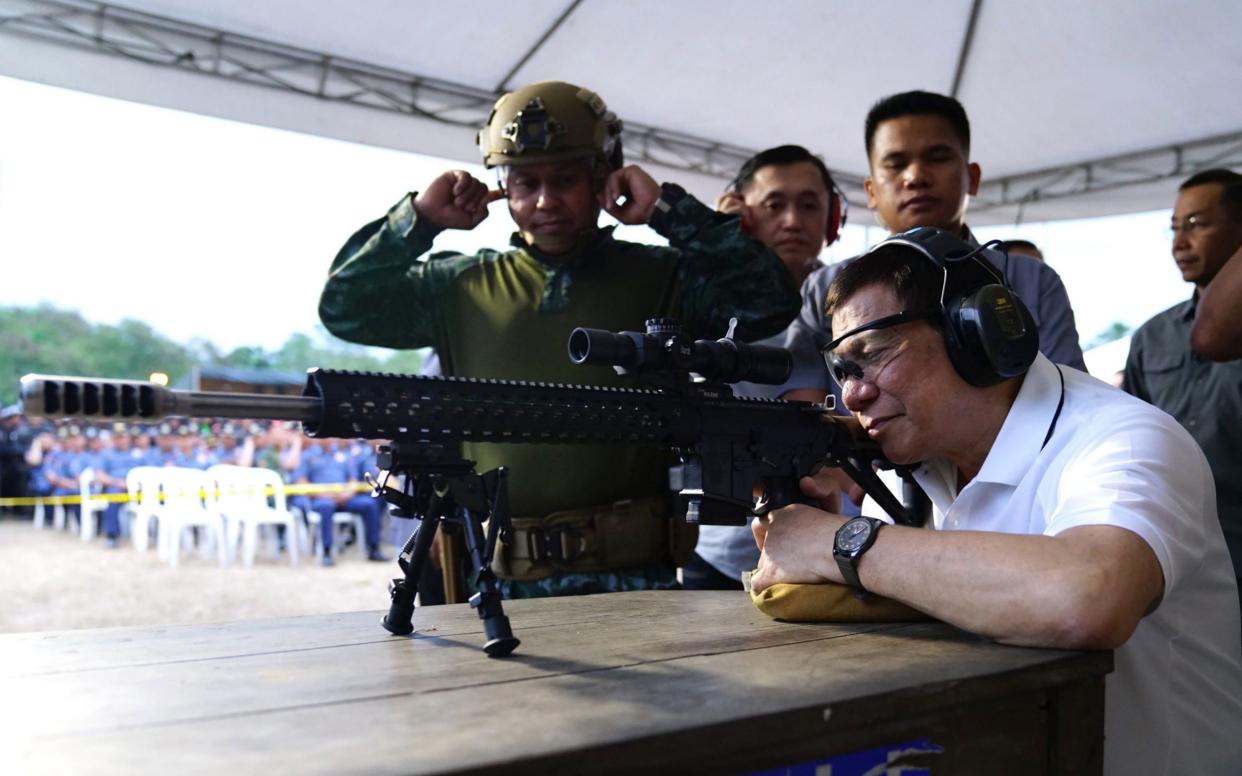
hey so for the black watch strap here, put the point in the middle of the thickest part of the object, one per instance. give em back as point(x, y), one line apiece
point(849, 571)
point(847, 560)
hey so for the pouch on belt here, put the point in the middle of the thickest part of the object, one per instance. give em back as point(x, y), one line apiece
point(613, 536)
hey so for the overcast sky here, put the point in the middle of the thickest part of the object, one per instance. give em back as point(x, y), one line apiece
point(209, 228)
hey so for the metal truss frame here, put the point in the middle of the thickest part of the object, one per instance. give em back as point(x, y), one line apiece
point(1110, 173)
point(167, 42)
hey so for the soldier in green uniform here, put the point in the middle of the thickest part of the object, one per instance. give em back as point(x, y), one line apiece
point(586, 519)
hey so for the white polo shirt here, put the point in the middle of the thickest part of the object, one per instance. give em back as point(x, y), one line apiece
point(1174, 700)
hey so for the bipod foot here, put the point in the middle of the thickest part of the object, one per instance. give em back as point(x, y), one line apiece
point(400, 618)
point(500, 639)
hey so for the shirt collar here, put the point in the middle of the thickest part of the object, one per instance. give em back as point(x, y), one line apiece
point(571, 260)
point(1026, 426)
point(1186, 310)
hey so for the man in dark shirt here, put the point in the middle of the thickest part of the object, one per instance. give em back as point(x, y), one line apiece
point(1204, 396)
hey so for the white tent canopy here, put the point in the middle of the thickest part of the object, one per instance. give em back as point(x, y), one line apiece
point(1077, 109)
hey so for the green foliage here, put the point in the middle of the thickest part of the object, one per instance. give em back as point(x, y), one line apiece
point(44, 339)
point(51, 341)
point(1115, 331)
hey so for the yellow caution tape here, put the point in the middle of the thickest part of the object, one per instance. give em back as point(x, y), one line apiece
point(305, 488)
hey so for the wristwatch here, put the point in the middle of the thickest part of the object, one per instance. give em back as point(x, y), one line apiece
point(670, 195)
point(852, 540)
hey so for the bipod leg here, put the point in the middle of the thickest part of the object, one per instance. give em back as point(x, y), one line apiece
point(500, 639)
point(400, 618)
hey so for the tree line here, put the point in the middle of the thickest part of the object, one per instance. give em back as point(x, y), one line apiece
point(48, 340)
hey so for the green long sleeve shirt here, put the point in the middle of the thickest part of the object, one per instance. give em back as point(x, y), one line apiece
point(508, 314)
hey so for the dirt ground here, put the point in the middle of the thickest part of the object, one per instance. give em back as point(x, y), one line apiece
point(52, 580)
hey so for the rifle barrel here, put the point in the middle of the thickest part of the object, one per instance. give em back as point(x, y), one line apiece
point(50, 396)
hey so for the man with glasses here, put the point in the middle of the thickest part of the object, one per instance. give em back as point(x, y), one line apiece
point(1162, 368)
point(1066, 515)
point(918, 150)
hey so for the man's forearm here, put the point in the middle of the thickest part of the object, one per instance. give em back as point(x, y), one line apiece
point(1085, 588)
point(376, 292)
point(1217, 330)
point(1088, 591)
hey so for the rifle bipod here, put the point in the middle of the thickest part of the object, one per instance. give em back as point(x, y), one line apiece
point(439, 491)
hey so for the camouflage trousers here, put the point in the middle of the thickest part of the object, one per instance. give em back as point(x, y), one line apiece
point(653, 576)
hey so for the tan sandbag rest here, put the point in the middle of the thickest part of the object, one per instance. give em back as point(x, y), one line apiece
point(829, 602)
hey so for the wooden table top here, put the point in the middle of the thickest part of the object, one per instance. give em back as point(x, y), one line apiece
point(634, 678)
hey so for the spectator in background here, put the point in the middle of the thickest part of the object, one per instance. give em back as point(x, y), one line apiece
point(41, 459)
point(112, 466)
point(1217, 330)
point(1024, 247)
point(786, 198)
point(165, 451)
point(1163, 369)
point(190, 452)
point(918, 148)
point(15, 439)
point(327, 461)
point(67, 467)
point(234, 447)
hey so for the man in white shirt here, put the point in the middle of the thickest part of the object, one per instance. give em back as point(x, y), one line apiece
point(1067, 514)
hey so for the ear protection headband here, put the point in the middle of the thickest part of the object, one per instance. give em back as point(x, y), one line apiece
point(989, 333)
point(838, 205)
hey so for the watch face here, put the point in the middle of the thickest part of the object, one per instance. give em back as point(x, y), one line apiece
point(853, 535)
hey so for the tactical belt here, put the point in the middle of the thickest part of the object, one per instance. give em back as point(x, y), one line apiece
point(613, 536)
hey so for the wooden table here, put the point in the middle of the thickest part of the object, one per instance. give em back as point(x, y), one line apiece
point(669, 682)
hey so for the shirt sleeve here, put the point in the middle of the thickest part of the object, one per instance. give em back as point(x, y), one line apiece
point(1149, 477)
point(809, 332)
point(1132, 381)
point(724, 274)
point(380, 290)
point(1058, 334)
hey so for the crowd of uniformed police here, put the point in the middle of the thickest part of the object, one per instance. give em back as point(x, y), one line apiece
point(47, 459)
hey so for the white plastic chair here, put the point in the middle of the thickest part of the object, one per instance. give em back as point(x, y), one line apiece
point(249, 498)
point(188, 502)
point(91, 504)
point(143, 484)
point(40, 515)
point(339, 520)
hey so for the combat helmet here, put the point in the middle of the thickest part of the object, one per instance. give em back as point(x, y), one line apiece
point(550, 121)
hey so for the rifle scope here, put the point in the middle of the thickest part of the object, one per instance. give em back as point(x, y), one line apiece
point(663, 348)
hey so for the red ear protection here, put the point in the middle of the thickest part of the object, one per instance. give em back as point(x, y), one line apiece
point(838, 213)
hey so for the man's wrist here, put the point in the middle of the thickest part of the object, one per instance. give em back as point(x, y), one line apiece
point(851, 541)
point(670, 195)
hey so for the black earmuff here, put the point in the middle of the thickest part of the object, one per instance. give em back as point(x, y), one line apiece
point(989, 333)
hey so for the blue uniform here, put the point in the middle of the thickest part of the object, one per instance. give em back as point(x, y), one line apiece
point(196, 459)
point(40, 485)
point(116, 464)
point(336, 465)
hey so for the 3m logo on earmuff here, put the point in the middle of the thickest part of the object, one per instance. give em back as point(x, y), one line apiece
point(1008, 318)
